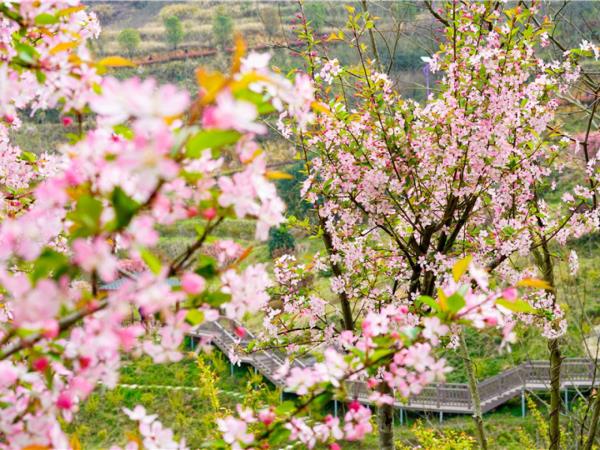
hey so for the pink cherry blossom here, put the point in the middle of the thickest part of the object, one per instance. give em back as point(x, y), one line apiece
point(192, 283)
point(142, 100)
point(96, 255)
point(229, 113)
point(247, 291)
point(235, 432)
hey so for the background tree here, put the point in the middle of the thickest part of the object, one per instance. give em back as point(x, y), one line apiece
point(129, 40)
point(411, 187)
point(222, 26)
point(173, 30)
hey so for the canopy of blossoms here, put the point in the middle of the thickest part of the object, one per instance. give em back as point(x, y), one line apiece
point(148, 154)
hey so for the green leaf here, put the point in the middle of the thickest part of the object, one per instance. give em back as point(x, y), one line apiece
point(45, 19)
point(28, 156)
point(125, 208)
point(455, 303)
point(49, 263)
point(207, 266)
point(263, 107)
point(124, 131)
point(279, 436)
point(322, 400)
point(216, 298)
point(86, 216)
point(285, 408)
point(519, 305)
point(40, 76)
point(381, 353)
point(210, 139)
point(26, 53)
point(427, 300)
point(215, 445)
point(151, 260)
point(195, 316)
point(25, 333)
point(411, 333)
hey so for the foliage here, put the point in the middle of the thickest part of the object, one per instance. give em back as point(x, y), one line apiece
point(289, 191)
point(181, 10)
point(428, 438)
point(222, 26)
point(280, 241)
point(173, 30)
point(403, 190)
point(129, 40)
point(405, 11)
point(190, 412)
point(105, 12)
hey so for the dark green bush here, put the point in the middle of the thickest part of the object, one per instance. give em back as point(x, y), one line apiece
point(280, 241)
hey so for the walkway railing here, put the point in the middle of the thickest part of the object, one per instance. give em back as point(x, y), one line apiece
point(438, 397)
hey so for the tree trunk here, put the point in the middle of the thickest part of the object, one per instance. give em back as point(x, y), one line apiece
point(545, 263)
point(555, 399)
point(477, 414)
point(543, 259)
point(385, 421)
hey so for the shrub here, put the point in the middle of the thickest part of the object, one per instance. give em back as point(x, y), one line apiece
point(280, 241)
point(129, 40)
point(440, 439)
point(148, 397)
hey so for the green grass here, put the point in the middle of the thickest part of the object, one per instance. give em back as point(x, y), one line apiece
point(191, 414)
point(101, 422)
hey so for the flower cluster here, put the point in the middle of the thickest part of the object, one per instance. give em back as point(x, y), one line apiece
point(154, 435)
point(153, 156)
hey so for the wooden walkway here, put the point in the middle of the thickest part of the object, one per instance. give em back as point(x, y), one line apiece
point(437, 397)
point(183, 54)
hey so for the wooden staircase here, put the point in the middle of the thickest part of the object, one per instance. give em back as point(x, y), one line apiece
point(437, 397)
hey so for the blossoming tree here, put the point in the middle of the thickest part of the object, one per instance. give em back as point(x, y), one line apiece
point(403, 191)
point(152, 156)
